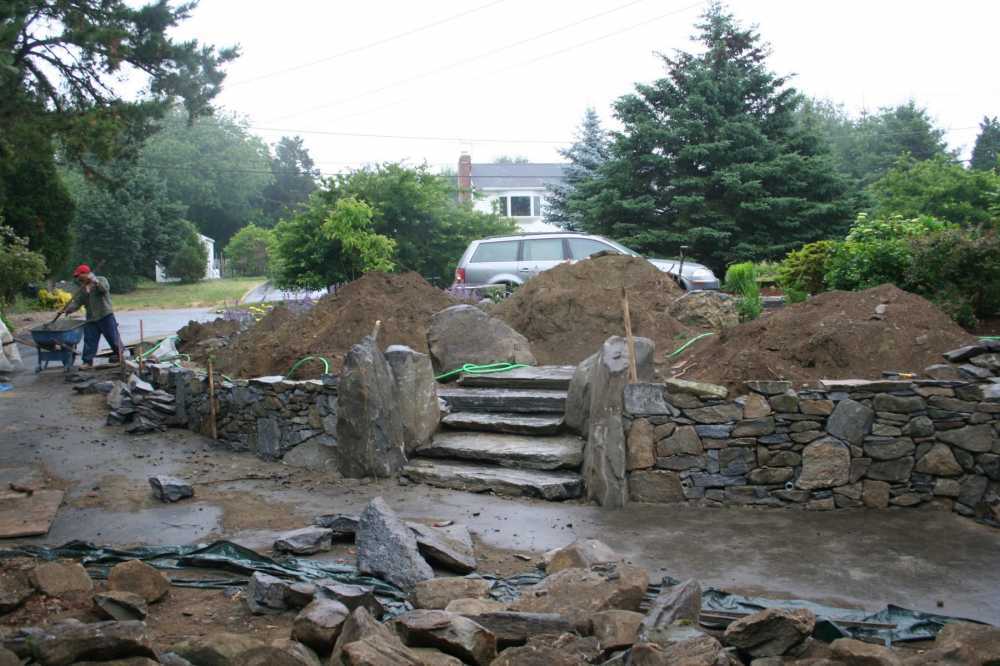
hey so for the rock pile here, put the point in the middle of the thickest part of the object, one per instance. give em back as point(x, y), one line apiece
point(140, 407)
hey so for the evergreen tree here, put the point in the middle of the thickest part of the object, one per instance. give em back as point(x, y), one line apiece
point(295, 177)
point(712, 157)
point(585, 156)
point(986, 152)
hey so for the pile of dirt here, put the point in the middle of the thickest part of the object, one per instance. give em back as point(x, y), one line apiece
point(568, 312)
point(836, 335)
point(196, 333)
point(403, 302)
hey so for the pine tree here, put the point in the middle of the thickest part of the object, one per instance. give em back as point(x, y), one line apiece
point(585, 156)
point(986, 152)
point(712, 156)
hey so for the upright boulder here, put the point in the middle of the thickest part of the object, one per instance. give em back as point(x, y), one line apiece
point(577, 417)
point(387, 548)
point(416, 395)
point(465, 334)
point(370, 438)
point(605, 457)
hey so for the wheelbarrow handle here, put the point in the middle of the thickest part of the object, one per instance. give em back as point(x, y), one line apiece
point(58, 314)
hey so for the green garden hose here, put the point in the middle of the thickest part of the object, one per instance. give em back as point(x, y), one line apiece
point(326, 365)
point(689, 343)
point(473, 369)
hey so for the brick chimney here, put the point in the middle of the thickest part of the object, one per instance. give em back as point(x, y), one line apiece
point(465, 177)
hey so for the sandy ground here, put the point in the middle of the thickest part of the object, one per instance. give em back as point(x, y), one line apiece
point(927, 560)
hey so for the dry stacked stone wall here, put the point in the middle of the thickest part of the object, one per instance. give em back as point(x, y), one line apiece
point(848, 443)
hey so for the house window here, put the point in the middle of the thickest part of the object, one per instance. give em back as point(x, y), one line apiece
point(520, 206)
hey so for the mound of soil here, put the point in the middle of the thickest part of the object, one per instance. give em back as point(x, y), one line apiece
point(836, 335)
point(403, 302)
point(197, 332)
point(568, 312)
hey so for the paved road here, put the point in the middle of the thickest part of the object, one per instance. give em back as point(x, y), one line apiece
point(268, 293)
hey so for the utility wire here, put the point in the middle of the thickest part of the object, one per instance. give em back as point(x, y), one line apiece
point(462, 62)
point(365, 47)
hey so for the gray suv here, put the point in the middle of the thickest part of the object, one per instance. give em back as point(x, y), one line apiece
point(511, 260)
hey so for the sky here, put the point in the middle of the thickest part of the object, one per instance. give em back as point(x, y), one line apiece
point(424, 81)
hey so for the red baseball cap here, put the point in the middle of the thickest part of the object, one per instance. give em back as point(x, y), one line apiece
point(82, 269)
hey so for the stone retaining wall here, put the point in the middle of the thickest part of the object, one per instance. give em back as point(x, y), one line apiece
point(846, 444)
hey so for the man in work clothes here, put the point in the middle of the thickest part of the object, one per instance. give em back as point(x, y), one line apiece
point(95, 296)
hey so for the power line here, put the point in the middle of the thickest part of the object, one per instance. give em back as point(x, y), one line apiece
point(462, 62)
point(407, 137)
point(365, 47)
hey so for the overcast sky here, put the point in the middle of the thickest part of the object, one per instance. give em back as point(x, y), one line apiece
point(513, 77)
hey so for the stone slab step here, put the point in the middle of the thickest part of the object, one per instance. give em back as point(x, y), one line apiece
point(501, 480)
point(523, 451)
point(539, 377)
point(518, 401)
point(520, 424)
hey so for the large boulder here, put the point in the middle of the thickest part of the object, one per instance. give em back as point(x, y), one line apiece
point(71, 642)
point(318, 625)
point(706, 309)
point(370, 438)
point(450, 633)
point(416, 395)
point(465, 334)
point(581, 554)
point(137, 577)
point(771, 632)
point(578, 399)
point(387, 548)
point(577, 593)
point(605, 458)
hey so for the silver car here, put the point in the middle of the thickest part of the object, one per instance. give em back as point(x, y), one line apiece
point(512, 260)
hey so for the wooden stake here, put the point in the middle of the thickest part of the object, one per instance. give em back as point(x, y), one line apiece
point(211, 398)
point(633, 373)
point(378, 325)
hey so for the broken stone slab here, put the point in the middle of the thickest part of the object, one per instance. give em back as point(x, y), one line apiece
point(826, 463)
point(318, 625)
point(581, 554)
point(416, 395)
point(342, 525)
point(544, 652)
point(452, 634)
point(370, 439)
point(387, 548)
point(464, 334)
point(437, 593)
point(544, 453)
point(283, 652)
point(515, 424)
point(965, 353)
point(680, 603)
point(361, 625)
point(304, 541)
point(475, 606)
point(700, 648)
point(222, 648)
point(170, 489)
point(771, 632)
point(68, 643)
point(352, 596)
point(697, 389)
point(55, 579)
point(647, 399)
point(550, 485)
point(120, 605)
point(137, 385)
point(15, 589)
point(449, 547)
point(266, 594)
point(139, 578)
point(577, 593)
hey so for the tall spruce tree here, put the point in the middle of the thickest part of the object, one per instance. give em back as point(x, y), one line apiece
point(586, 155)
point(986, 152)
point(712, 156)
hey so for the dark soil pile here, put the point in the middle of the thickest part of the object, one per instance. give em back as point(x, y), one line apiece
point(836, 335)
point(404, 303)
point(197, 332)
point(568, 312)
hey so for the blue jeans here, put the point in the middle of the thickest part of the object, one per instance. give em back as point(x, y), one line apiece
point(92, 332)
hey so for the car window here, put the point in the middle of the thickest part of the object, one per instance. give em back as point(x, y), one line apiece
point(581, 248)
point(543, 249)
point(495, 251)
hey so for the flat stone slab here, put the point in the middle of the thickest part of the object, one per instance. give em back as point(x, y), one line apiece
point(519, 401)
point(559, 452)
point(538, 377)
point(519, 424)
point(875, 386)
point(501, 480)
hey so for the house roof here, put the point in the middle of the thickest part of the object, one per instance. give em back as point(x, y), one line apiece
point(515, 176)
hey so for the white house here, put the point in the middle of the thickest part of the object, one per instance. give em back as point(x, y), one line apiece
point(518, 191)
point(211, 265)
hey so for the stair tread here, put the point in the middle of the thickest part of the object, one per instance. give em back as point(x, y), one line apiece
point(508, 450)
point(538, 377)
point(539, 424)
point(504, 399)
point(550, 485)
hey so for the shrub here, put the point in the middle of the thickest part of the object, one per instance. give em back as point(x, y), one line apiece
point(249, 251)
point(803, 271)
point(18, 265)
point(741, 280)
point(55, 299)
point(190, 260)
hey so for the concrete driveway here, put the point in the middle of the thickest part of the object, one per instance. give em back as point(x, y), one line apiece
point(268, 293)
point(922, 559)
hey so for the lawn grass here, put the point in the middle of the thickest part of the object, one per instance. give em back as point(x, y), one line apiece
point(160, 295)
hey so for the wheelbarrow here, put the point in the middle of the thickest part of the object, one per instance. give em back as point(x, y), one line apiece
point(57, 342)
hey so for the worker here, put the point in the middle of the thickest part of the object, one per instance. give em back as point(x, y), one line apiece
point(95, 295)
